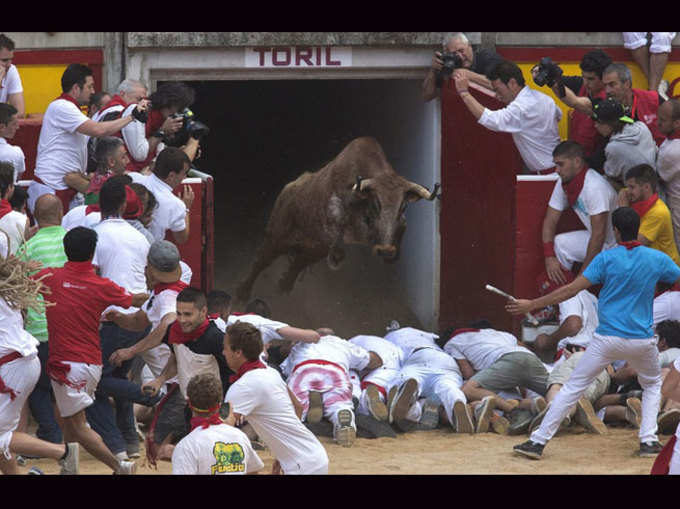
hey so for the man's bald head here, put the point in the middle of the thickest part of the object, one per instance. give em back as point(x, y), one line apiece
point(48, 210)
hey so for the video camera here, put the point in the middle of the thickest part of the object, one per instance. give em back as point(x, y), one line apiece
point(450, 62)
point(549, 73)
point(192, 127)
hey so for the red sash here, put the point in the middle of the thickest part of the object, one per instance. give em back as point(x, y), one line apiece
point(574, 187)
point(462, 331)
point(178, 286)
point(662, 463)
point(642, 206)
point(92, 208)
point(5, 208)
point(380, 388)
point(177, 336)
point(319, 361)
point(245, 367)
point(4, 360)
point(57, 371)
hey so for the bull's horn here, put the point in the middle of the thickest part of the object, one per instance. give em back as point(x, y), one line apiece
point(362, 184)
point(420, 191)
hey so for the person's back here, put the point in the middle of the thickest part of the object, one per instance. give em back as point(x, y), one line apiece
point(264, 400)
point(330, 349)
point(82, 215)
point(391, 354)
point(481, 347)
point(410, 339)
point(631, 146)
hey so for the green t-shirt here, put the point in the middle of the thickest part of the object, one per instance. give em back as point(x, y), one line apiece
point(46, 246)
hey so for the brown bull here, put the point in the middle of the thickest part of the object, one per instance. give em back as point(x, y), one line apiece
point(356, 198)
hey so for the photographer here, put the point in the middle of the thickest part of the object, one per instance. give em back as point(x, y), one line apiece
point(169, 118)
point(589, 84)
point(458, 55)
point(530, 116)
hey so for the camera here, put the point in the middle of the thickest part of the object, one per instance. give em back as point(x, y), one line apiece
point(190, 128)
point(450, 62)
point(549, 73)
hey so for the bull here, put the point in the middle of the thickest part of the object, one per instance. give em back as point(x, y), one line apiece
point(356, 198)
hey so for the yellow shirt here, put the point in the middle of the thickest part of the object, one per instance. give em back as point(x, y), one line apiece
point(657, 227)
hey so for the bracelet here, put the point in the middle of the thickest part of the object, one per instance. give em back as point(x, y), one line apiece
point(464, 92)
point(548, 249)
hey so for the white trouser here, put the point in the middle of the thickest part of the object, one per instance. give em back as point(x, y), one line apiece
point(438, 377)
point(666, 307)
point(571, 247)
point(36, 190)
point(383, 378)
point(20, 375)
point(643, 357)
point(674, 467)
point(661, 41)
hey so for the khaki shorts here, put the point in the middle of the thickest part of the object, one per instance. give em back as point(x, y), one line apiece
point(562, 372)
point(514, 369)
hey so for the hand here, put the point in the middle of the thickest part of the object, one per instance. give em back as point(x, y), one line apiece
point(276, 468)
point(519, 306)
point(143, 105)
point(112, 316)
point(120, 356)
point(534, 71)
point(172, 125)
point(437, 62)
point(462, 83)
point(566, 353)
point(188, 196)
point(624, 197)
point(554, 270)
point(152, 388)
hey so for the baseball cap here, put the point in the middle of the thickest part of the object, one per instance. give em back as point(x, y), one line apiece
point(163, 260)
point(608, 110)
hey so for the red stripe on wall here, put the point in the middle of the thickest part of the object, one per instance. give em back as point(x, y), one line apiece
point(47, 57)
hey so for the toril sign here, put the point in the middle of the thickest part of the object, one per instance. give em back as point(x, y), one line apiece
point(299, 56)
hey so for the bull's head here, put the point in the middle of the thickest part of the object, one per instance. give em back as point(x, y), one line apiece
point(381, 205)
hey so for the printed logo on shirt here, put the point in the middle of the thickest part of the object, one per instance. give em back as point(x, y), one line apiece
point(66, 284)
point(229, 458)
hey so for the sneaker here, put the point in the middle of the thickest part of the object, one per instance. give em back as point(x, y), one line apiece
point(650, 449)
point(668, 421)
point(401, 403)
point(462, 418)
point(133, 450)
point(391, 394)
point(429, 419)
point(70, 464)
point(122, 456)
point(520, 420)
point(127, 468)
point(499, 424)
point(634, 412)
point(663, 89)
point(35, 471)
point(538, 404)
point(21, 461)
point(344, 433)
point(530, 449)
point(585, 416)
point(315, 411)
point(392, 326)
point(483, 414)
point(376, 407)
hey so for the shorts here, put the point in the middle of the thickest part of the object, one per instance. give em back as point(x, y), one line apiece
point(661, 41)
point(174, 417)
point(562, 372)
point(20, 375)
point(71, 400)
point(514, 369)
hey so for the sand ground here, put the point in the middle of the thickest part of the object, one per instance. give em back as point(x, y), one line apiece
point(441, 452)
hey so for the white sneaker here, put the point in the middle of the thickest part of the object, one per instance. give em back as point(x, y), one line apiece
point(70, 464)
point(344, 432)
point(663, 89)
point(127, 468)
point(122, 456)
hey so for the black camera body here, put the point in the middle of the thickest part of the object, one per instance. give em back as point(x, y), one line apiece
point(549, 73)
point(190, 126)
point(450, 62)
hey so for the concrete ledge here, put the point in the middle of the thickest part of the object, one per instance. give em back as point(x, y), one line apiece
point(56, 40)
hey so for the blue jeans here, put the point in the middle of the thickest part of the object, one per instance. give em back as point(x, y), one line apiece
point(117, 428)
point(40, 403)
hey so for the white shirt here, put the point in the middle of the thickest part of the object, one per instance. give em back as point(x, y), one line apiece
point(14, 225)
point(219, 449)
point(171, 212)
point(532, 118)
point(11, 84)
point(76, 217)
point(668, 356)
point(61, 149)
point(482, 348)
point(13, 337)
point(583, 305)
point(668, 165)
point(391, 355)
point(409, 339)
point(597, 196)
point(13, 154)
point(162, 304)
point(121, 256)
point(268, 328)
point(666, 307)
point(187, 273)
point(329, 348)
point(262, 397)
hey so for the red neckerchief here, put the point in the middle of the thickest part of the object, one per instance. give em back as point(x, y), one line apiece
point(642, 206)
point(58, 371)
point(116, 100)
point(178, 337)
point(236, 313)
point(630, 244)
point(154, 122)
point(5, 208)
point(574, 187)
point(245, 367)
point(204, 422)
point(68, 98)
point(673, 136)
point(462, 331)
point(92, 208)
point(178, 286)
point(213, 316)
point(662, 463)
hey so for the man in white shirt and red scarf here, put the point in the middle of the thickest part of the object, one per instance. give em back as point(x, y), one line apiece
point(196, 344)
point(592, 198)
point(62, 147)
point(78, 296)
point(530, 116)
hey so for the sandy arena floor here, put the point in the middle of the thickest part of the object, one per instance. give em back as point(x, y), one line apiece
point(444, 453)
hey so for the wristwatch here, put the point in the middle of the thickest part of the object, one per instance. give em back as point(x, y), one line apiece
point(159, 134)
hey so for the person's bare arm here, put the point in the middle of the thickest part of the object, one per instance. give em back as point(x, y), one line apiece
point(598, 232)
point(187, 197)
point(429, 87)
point(153, 339)
point(294, 334)
point(470, 102)
point(110, 127)
point(132, 321)
point(522, 306)
point(552, 265)
point(582, 104)
point(168, 372)
point(77, 181)
point(477, 78)
point(623, 375)
point(671, 384)
point(191, 148)
point(466, 368)
point(374, 362)
point(17, 100)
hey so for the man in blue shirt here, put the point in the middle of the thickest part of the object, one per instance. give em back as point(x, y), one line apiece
point(628, 274)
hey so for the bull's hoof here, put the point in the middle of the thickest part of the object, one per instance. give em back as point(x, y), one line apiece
point(335, 257)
